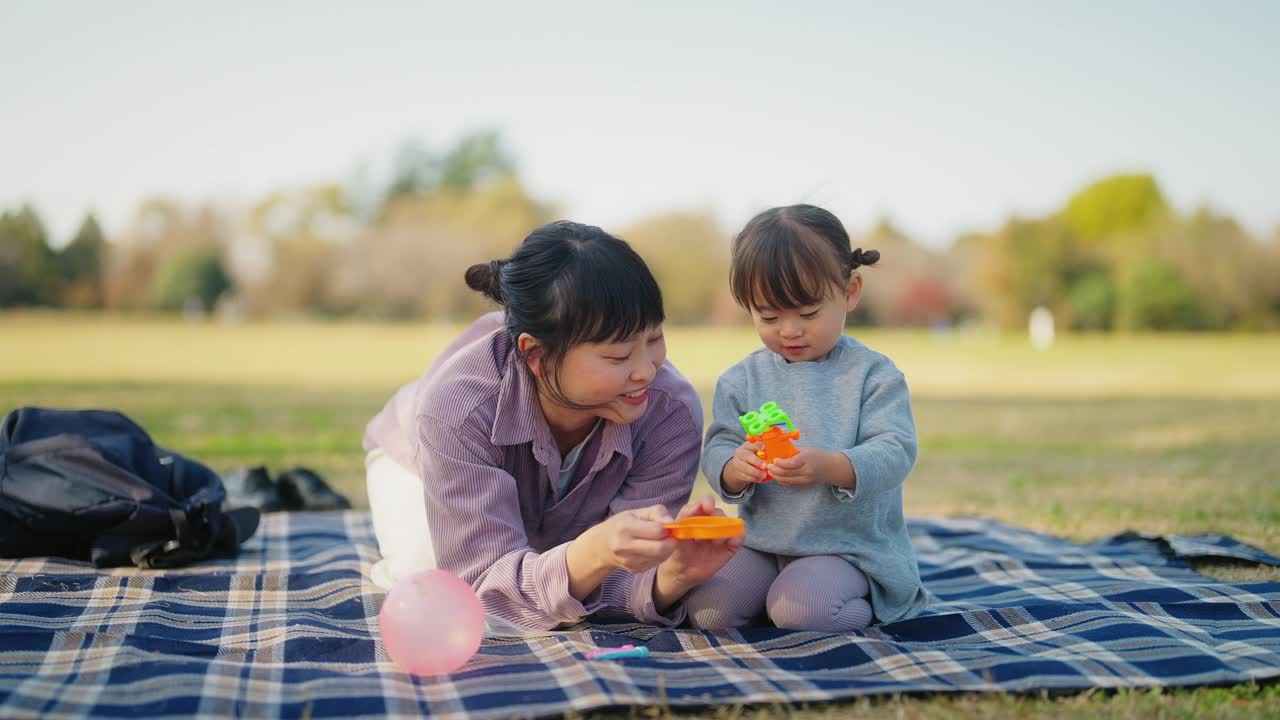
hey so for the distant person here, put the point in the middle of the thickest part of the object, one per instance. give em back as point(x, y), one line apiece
point(826, 542)
point(543, 450)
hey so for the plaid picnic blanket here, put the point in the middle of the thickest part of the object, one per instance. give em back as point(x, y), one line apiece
point(289, 629)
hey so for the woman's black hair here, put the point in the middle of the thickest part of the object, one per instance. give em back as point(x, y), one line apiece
point(568, 284)
point(790, 257)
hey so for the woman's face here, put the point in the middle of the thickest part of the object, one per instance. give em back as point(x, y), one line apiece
point(612, 377)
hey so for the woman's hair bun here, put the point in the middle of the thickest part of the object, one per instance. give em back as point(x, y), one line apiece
point(486, 278)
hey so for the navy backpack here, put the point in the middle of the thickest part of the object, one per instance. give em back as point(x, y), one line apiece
point(91, 485)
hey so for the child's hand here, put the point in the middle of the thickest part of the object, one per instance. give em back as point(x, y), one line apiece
point(743, 469)
point(811, 467)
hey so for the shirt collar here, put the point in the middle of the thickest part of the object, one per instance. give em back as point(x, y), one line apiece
point(517, 415)
point(518, 418)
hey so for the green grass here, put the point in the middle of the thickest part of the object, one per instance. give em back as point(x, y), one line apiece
point(42, 347)
point(1240, 701)
point(1159, 433)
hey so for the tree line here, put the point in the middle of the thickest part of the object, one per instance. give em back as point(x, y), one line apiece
point(1115, 256)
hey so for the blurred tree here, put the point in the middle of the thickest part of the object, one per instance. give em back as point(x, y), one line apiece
point(301, 278)
point(1157, 297)
point(903, 263)
point(923, 301)
point(1224, 267)
point(1115, 257)
point(160, 230)
point(1026, 264)
point(960, 269)
point(197, 276)
point(1101, 261)
point(1271, 282)
point(501, 209)
point(289, 250)
point(689, 258)
point(412, 262)
point(1091, 300)
point(28, 267)
point(1114, 205)
point(319, 249)
point(415, 169)
point(130, 272)
point(82, 263)
point(476, 158)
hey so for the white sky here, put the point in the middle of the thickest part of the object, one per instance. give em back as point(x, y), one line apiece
point(944, 116)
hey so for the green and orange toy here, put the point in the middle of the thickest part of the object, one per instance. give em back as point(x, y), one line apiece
point(771, 426)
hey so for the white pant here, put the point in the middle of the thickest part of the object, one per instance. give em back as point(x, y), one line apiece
point(399, 520)
point(399, 513)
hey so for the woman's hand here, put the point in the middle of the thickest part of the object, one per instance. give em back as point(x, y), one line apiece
point(693, 560)
point(635, 540)
point(743, 469)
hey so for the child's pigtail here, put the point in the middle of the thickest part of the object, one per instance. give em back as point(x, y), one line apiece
point(862, 257)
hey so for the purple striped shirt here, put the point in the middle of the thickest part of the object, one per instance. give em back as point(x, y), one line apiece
point(473, 430)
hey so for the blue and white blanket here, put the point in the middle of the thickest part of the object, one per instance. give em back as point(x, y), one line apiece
point(289, 629)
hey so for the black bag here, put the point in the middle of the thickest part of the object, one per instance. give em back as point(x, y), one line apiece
point(91, 485)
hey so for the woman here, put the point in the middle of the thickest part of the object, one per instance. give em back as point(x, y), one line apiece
point(550, 443)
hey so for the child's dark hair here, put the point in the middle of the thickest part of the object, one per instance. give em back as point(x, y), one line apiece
point(567, 284)
point(791, 257)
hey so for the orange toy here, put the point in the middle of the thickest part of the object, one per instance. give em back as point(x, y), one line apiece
point(773, 427)
point(705, 527)
point(777, 445)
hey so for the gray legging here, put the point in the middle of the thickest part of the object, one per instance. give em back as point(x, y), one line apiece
point(821, 592)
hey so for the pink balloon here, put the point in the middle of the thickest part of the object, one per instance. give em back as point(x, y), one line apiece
point(431, 623)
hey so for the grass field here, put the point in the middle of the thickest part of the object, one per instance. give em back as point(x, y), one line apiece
point(1098, 435)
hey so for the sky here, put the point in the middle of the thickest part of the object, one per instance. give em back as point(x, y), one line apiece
point(945, 117)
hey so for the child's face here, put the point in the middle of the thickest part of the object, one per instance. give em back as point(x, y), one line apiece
point(807, 334)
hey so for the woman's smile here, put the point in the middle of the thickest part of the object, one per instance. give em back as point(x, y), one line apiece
point(636, 397)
